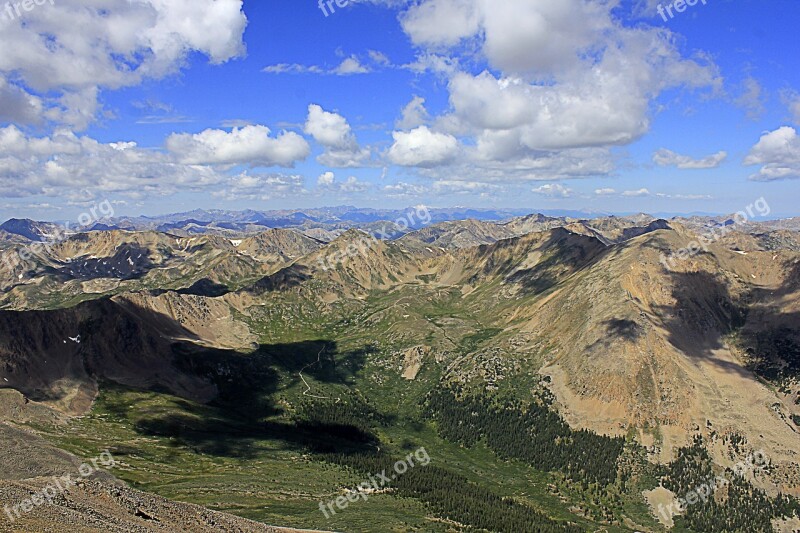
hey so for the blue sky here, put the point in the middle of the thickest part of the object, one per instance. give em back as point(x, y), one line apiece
point(163, 106)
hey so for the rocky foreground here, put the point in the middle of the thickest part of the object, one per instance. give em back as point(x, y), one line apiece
point(100, 503)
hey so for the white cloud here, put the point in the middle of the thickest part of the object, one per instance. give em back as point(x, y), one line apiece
point(329, 129)
point(326, 179)
point(250, 145)
point(486, 102)
point(327, 182)
point(606, 105)
point(353, 185)
point(442, 188)
point(448, 187)
point(479, 163)
point(539, 38)
point(792, 100)
point(64, 164)
point(235, 123)
point(293, 68)
point(414, 114)
point(553, 190)
point(668, 158)
point(635, 194)
point(441, 22)
point(421, 147)
point(18, 106)
point(751, 98)
point(379, 57)
point(432, 62)
point(405, 190)
point(164, 119)
point(779, 154)
point(333, 132)
point(261, 187)
point(350, 66)
point(565, 80)
point(345, 158)
point(71, 50)
point(542, 36)
point(605, 192)
point(685, 196)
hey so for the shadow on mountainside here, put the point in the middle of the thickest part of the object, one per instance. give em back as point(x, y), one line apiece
point(120, 345)
point(565, 253)
point(205, 287)
point(627, 329)
point(285, 279)
point(705, 315)
point(246, 408)
point(771, 339)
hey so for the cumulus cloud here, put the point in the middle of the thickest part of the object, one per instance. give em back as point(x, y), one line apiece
point(538, 38)
point(553, 190)
point(63, 164)
point(414, 114)
point(472, 164)
point(353, 185)
point(379, 57)
point(442, 188)
point(422, 147)
point(350, 66)
point(332, 131)
point(792, 100)
point(327, 182)
point(326, 179)
point(329, 129)
point(18, 106)
point(637, 193)
point(405, 190)
point(481, 188)
point(261, 187)
point(72, 50)
point(603, 106)
point(250, 145)
point(442, 22)
point(668, 158)
point(496, 158)
point(605, 192)
point(562, 76)
point(541, 36)
point(432, 62)
point(779, 154)
point(751, 98)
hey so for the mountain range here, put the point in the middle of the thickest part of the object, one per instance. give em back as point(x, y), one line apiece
point(566, 369)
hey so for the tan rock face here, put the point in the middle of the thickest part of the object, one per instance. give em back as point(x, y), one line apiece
point(413, 359)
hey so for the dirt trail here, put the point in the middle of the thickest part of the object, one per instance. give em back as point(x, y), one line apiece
point(307, 392)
